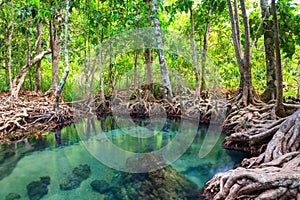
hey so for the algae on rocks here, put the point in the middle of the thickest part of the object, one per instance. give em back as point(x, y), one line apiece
point(79, 174)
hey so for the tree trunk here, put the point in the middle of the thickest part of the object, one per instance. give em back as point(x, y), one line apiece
point(149, 60)
point(5, 64)
point(38, 64)
point(85, 65)
point(298, 93)
point(195, 62)
point(205, 48)
point(245, 94)
point(55, 41)
point(279, 110)
point(237, 26)
point(148, 52)
point(237, 45)
point(100, 40)
point(10, 45)
point(101, 77)
point(160, 51)
point(270, 93)
point(248, 90)
point(28, 43)
point(20, 77)
point(135, 69)
point(101, 71)
point(66, 72)
point(55, 60)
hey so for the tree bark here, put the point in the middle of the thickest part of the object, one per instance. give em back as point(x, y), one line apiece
point(160, 51)
point(148, 52)
point(279, 110)
point(248, 87)
point(5, 60)
point(236, 43)
point(270, 93)
point(135, 73)
point(101, 64)
point(205, 48)
point(274, 174)
point(38, 64)
point(10, 46)
point(149, 60)
point(66, 72)
point(245, 94)
point(195, 62)
point(100, 40)
point(85, 65)
point(27, 42)
point(55, 43)
point(20, 77)
point(101, 77)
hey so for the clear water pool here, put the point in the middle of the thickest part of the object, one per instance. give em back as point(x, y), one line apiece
point(57, 153)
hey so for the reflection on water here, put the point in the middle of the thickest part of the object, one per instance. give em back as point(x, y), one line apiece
point(58, 153)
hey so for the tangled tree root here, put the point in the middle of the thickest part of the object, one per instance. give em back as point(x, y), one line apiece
point(148, 105)
point(251, 128)
point(275, 174)
point(31, 113)
point(240, 119)
point(279, 179)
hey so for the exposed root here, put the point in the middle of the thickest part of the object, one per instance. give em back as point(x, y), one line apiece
point(279, 179)
point(241, 119)
point(30, 114)
point(146, 105)
point(275, 174)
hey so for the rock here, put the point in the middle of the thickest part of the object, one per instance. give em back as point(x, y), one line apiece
point(79, 174)
point(117, 193)
point(12, 196)
point(82, 172)
point(45, 180)
point(165, 183)
point(37, 189)
point(100, 186)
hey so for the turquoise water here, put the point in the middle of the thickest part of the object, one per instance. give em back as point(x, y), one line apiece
point(57, 153)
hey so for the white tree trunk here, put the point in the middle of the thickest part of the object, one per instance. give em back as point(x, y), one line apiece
point(10, 45)
point(204, 55)
point(66, 72)
point(160, 50)
point(195, 62)
point(101, 72)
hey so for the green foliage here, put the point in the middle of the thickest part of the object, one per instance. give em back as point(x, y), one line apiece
point(105, 19)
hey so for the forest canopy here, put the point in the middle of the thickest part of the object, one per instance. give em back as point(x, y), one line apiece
point(36, 28)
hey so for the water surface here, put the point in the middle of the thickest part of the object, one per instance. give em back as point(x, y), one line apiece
point(57, 153)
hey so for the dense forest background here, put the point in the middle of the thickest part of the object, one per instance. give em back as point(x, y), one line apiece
point(32, 41)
